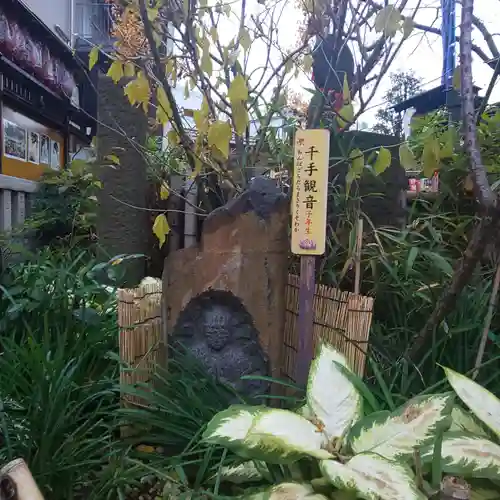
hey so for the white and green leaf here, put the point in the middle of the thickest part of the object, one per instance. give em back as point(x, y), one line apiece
point(372, 477)
point(480, 401)
point(273, 435)
point(461, 421)
point(285, 491)
point(395, 435)
point(331, 396)
point(244, 473)
point(467, 455)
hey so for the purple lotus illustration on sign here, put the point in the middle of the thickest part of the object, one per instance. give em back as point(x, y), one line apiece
point(307, 245)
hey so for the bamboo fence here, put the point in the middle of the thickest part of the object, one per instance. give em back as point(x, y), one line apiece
point(139, 323)
point(341, 318)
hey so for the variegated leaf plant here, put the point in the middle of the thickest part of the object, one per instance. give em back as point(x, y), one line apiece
point(365, 456)
point(470, 448)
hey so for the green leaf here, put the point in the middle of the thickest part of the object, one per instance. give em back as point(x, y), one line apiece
point(448, 138)
point(388, 20)
point(285, 491)
point(161, 228)
point(383, 161)
point(461, 421)
point(336, 409)
point(243, 473)
point(94, 56)
point(345, 115)
point(373, 478)
point(273, 435)
point(395, 435)
point(430, 157)
point(357, 161)
point(480, 401)
point(406, 157)
point(219, 136)
point(467, 455)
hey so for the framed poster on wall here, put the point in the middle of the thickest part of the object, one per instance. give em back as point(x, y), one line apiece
point(14, 141)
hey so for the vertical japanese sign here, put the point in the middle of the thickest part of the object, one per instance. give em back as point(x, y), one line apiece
point(310, 192)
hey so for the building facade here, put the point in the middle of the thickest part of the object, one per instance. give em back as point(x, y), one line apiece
point(44, 92)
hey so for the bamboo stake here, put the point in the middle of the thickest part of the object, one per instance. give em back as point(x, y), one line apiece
point(487, 322)
point(16, 479)
point(357, 257)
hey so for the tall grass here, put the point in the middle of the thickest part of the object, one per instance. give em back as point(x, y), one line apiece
point(57, 382)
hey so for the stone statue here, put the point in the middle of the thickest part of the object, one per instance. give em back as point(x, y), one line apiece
point(217, 329)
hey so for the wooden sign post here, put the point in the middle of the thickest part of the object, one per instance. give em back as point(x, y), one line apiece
point(309, 199)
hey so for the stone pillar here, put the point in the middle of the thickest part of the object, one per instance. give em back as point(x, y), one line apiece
point(120, 227)
point(225, 300)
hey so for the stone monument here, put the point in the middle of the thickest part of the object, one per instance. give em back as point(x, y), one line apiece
point(225, 299)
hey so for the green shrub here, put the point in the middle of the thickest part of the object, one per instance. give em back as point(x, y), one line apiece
point(64, 208)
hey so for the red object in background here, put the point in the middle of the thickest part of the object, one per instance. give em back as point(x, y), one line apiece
point(6, 35)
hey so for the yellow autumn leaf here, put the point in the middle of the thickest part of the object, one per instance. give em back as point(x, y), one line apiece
point(161, 228)
point(164, 109)
point(115, 71)
point(129, 70)
point(169, 67)
point(388, 20)
point(245, 40)
point(346, 92)
point(407, 27)
point(198, 164)
point(456, 80)
point(240, 117)
point(238, 90)
point(201, 121)
point(93, 56)
point(152, 13)
point(164, 190)
point(173, 137)
point(214, 34)
point(206, 60)
point(219, 136)
point(307, 62)
point(138, 91)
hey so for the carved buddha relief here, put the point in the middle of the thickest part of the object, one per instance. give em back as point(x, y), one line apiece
point(218, 330)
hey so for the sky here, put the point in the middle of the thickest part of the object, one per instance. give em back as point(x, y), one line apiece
point(421, 53)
